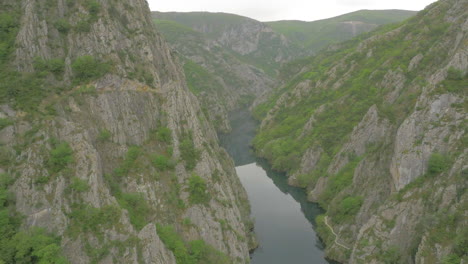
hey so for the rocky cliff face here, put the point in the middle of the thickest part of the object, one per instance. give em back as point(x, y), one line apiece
point(216, 75)
point(122, 147)
point(381, 140)
point(239, 54)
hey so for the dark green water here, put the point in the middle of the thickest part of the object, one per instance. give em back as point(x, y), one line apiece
point(284, 220)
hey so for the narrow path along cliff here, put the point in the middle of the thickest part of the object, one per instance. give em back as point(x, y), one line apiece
point(336, 236)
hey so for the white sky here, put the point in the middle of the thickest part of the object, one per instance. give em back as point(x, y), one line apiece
point(271, 10)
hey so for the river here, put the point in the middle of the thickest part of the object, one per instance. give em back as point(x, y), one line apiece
point(284, 220)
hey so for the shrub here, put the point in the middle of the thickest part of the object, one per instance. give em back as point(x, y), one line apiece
point(164, 134)
point(93, 7)
point(4, 122)
point(162, 162)
point(189, 153)
point(198, 193)
point(350, 205)
point(83, 26)
point(454, 74)
point(137, 207)
point(438, 163)
point(60, 156)
point(35, 246)
point(86, 218)
point(62, 26)
point(79, 185)
point(104, 135)
point(451, 259)
point(391, 256)
point(55, 66)
point(193, 252)
point(129, 161)
point(87, 68)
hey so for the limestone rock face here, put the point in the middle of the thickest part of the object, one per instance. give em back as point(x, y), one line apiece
point(409, 209)
point(104, 120)
point(241, 55)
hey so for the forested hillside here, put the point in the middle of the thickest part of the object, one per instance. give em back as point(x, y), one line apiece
point(375, 130)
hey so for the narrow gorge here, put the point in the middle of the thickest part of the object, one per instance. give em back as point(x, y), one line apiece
point(131, 136)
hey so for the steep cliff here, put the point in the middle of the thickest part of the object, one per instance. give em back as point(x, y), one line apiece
point(215, 74)
point(104, 146)
point(375, 129)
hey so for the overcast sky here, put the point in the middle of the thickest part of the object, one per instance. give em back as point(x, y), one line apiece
point(271, 10)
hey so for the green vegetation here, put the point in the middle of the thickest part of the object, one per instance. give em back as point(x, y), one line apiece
point(199, 79)
point(283, 140)
point(193, 252)
point(28, 245)
point(347, 208)
point(104, 135)
point(162, 162)
point(138, 209)
point(55, 66)
point(93, 7)
point(4, 122)
point(338, 182)
point(9, 25)
point(86, 218)
point(198, 193)
point(438, 163)
point(173, 30)
point(26, 90)
point(87, 68)
point(164, 134)
point(456, 82)
point(188, 152)
point(128, 163)
point(316, 35)
point(391, 256)
point(60, 156)
point(62, 25)
point(78, 185)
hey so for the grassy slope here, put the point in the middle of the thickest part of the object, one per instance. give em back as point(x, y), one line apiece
point(317, 34)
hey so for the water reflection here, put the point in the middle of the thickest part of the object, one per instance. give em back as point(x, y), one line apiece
point(284, 220)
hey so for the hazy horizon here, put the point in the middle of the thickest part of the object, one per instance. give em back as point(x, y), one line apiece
point(275, 10)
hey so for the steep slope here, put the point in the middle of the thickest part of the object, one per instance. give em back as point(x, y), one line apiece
point(316, 35)
point(375, 129)
point(252, 41)
point(215, 74)
point(103, 145)
point(230, 59)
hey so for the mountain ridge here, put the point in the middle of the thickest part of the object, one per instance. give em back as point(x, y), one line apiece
point(375, 129)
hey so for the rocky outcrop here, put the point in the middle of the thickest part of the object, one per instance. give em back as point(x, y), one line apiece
point(393, 128)
point(211, 52)
point(108, 129)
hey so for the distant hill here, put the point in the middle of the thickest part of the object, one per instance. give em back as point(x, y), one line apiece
point(251, 41)
point(230, 59)
point(315, 35)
